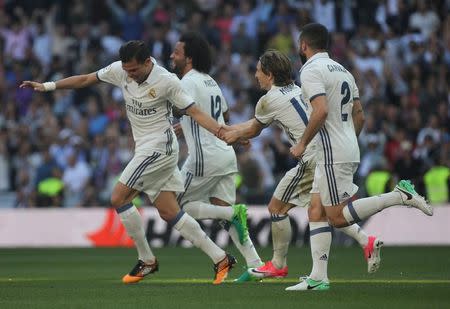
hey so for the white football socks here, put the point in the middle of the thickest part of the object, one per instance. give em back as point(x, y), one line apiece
point(281, 238)
point(356, 232)
point(247, 250)
point(132, 221)
point(190, 229)
point(320, 239)
point(201, 210)
point(364, 208)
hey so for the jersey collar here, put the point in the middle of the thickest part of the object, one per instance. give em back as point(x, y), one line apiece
point(313, 58)
point(316, 56)
point(145, 82)
point(190, 72)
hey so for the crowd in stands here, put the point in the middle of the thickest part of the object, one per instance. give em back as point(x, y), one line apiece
point(67, 148)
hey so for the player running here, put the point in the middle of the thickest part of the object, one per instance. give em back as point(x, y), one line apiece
point(149, 91)
point(284, 105)
point(332, 92)
point(211, 166)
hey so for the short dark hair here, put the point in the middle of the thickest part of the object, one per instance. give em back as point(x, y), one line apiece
point(197, 48)
point(315, 35)
point(134, 50)
point(277, 63)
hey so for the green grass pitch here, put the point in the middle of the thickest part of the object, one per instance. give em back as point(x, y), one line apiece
point(410, 277)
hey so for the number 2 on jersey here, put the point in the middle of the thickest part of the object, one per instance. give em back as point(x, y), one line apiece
point(216, 107)
point(345, 91)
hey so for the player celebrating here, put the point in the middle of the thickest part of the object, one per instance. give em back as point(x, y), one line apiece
point(211, 165)
point(334, 96)
point(147, 89)
point(283, 104)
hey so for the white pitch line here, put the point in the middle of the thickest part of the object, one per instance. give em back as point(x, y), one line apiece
point(265, 281)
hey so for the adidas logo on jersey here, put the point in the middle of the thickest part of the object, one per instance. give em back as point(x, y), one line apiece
point(324, 257)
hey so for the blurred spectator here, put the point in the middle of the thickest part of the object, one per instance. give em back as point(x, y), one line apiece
point(252, 179)
point(406, 166)
point(75, 177)
point(159, 46)
point(424, 19)
point(241, 43)
point(46, 168)
point(324, 13)
point(50, 190)
point(132, 17)
point(247, 18)
point(372, 157)
point(62, 149)
point(282, 160)
point(16, 35)
point(437, 184)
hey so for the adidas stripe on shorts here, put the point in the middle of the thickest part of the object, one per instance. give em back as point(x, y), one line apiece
point(152, 173)
point(334, 182)
point(295, 186)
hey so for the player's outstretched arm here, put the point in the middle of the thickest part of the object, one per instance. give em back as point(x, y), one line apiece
point(317, 120)
point(72, 82)
point(203, 119)
point(242, 131)
point(358, 116)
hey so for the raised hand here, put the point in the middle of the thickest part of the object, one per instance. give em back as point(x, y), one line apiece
point(35, 85)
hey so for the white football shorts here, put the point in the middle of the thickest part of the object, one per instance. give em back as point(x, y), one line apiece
point(295, 186)
point(197, 188)
point(334, 182)
point(153, 173)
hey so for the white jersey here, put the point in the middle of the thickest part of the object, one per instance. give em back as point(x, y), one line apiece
point(208, 155)
point(320, 75)
point(149, 105)
point(285, 107)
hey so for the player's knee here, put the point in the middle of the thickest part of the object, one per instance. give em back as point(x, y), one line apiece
point(167, 215)
point(337, 221)
point(316, 215)
point(116, 200)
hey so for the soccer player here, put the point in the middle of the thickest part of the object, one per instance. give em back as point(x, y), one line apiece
point(211, 166)
point(334, 97)
point(284, 105)
point(149, 91)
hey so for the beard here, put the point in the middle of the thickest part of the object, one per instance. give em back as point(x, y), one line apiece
point(178, 68)
point(302, 58)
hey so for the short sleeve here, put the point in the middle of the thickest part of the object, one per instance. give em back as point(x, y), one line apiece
point(112, 74)
point(224, 105)
point(262, 112)
point(176, 93)
point(355, 91)
point(312, 83)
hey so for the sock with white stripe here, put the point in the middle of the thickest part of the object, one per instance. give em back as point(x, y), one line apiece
point(364, 208)
point(281, 238)
point(356, 232)
point(247, 250)
point(201, 210)
point(132, 221)
point(191, 230)
point(320, 239)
